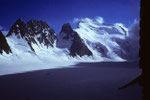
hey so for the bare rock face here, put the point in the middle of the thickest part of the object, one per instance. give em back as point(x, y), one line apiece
point(71, 40)
point(17, 28)
point(33, 31)
point(65, 37)
point(43, 33)
point(4, 45)
point(78, 47)
point(67, 29)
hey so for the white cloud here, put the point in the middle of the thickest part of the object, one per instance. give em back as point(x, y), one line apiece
point(134, 29)
point(99, 19)
point(76, 20)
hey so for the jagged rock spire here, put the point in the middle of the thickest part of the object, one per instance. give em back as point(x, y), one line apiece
point(3, 44)
point(72, 41)
point(34, 32)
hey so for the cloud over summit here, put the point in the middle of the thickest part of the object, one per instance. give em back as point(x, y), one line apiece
point(99, 19)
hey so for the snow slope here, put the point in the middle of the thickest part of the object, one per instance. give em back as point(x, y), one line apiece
point(24, 59)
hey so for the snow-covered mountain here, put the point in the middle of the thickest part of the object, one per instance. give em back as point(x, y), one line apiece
point(33, 32)
point(101, 41)
point(34, 45)
point(111, 41)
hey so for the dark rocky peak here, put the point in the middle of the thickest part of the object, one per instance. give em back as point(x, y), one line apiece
point(78, 47)
point(44, 34)
point(19, 20)
point(32, 27)
point(39, 27)
point(66, 28)
point(37, 23)
point(71, 40)
point(17, 27)
point(67, 31)
point(33, 31)
point(3, 44)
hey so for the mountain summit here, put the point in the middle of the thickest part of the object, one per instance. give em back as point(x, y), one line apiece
point(71, 40)
point(110, 41)
point(33, 32)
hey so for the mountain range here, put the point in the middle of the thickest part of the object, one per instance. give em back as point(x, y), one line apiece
point(90, 41)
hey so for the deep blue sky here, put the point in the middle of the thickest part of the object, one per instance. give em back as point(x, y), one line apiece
point(58, 12)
